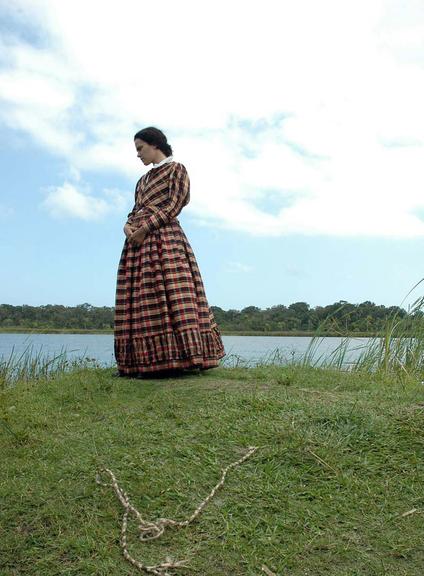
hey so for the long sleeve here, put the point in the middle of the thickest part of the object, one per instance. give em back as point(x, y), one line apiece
point(158, 215)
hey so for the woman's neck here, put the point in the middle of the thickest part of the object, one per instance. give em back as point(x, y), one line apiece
point(158, 157)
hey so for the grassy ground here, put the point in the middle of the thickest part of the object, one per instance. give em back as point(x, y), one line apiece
point(340, 462)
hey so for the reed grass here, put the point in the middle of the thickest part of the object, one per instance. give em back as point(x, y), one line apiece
point(398, 350)
point(32, 365)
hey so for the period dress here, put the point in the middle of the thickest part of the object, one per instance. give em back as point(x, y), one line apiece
point(162, 317)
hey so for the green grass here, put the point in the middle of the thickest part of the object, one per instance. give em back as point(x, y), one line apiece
point(32, 365)
point(340, 461)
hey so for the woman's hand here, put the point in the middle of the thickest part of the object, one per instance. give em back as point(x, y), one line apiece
point(137, 237)
point(128, 230)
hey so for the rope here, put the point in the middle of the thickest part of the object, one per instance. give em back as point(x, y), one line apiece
point(152, 530)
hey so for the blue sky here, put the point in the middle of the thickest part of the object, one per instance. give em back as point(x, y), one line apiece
point(301, 127)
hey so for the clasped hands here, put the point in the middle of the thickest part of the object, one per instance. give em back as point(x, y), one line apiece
point(134, 236)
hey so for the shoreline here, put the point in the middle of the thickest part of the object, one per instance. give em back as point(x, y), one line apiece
point(297, 333)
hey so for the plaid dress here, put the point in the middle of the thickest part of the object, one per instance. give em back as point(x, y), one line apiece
point(162, 317)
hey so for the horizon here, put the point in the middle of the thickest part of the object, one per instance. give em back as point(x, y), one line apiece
point(341, 302)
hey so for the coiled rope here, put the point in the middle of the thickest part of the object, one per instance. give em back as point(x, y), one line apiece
point(152, 530)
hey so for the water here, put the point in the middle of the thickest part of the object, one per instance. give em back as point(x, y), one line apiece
point(99, 347)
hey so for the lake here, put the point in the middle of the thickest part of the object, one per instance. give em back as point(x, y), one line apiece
point(250, 349)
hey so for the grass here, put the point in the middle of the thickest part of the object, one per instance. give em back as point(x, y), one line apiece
point(32, 365)
point(340, 462)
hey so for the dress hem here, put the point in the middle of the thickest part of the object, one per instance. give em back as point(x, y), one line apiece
point(169, 351)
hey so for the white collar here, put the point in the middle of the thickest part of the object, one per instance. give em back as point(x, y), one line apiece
point(164, 161)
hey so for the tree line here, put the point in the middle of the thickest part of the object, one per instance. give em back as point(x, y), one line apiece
point(341, 316)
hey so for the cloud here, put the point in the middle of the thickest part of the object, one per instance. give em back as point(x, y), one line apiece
point(68, 201)
point(371, 192)
point(304, 120)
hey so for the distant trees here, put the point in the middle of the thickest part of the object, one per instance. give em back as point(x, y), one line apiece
point(54, 316)
point(300, 317)
point(297, 317)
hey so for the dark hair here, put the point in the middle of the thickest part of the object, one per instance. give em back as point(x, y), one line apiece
point(155, 137)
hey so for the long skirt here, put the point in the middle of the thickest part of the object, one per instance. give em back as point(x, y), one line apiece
point(162, 317)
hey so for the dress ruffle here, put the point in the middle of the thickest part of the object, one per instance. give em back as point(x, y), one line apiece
point(186, 349)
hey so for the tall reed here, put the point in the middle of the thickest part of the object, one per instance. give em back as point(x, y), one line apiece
point(33, 365)
point(397, 350)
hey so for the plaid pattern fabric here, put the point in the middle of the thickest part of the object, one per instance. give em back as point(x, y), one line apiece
point(162, 317)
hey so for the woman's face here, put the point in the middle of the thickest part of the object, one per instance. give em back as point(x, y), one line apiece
point(146, 152)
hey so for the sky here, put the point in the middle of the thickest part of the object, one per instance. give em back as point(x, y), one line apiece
point(300, 124)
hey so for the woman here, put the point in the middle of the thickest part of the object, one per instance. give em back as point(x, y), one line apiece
point(162, 318)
